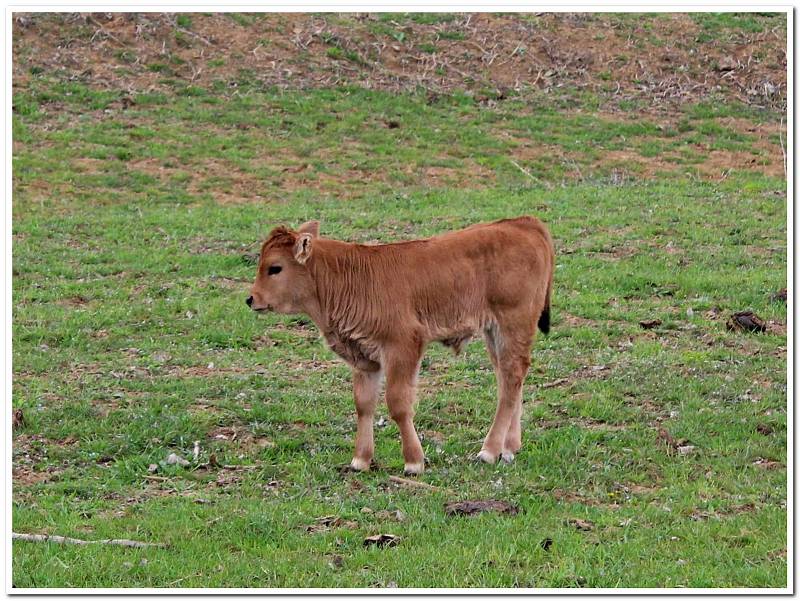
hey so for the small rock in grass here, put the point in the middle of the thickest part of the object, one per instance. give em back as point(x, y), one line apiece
point(175, 459)
point(152, 468)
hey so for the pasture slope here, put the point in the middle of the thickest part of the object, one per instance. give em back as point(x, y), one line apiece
point(152, 153)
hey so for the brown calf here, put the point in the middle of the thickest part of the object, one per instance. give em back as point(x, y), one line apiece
point(380, 306)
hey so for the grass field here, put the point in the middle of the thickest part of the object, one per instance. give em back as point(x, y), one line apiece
point(135, 228)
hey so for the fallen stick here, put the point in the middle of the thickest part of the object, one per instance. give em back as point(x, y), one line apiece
point(547, 185)
point(104, 31)
point(554, 383)
point(416, 484)
point(219, 466)
point(48, 538)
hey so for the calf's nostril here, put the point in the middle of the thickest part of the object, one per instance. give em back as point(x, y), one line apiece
point(249, 301)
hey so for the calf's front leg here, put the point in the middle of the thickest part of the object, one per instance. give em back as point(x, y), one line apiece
point(366, 389)
point(401, 376)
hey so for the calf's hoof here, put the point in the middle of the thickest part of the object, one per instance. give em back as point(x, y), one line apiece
point(507, 457)
point(414, 469)
point(486, 456)
point(359, 465)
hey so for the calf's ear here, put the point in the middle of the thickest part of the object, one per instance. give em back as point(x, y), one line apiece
point(309, 227)
point(302, 248)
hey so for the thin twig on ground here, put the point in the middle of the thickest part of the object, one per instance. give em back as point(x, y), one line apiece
point(104, 31)
point(530, 175)
point(416, 484)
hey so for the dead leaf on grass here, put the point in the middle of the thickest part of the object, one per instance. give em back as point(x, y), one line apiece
point(765, 429)
point(649, 324)
point(767, 464)
point(337, 561)
point(18, 419)
point(329, 522)
point(746, 321)
point(396, 515)
point(779, 296)
point(580, 524)
point(382, 540)
point(673, 444)
point(475, 507)
point(296, 169)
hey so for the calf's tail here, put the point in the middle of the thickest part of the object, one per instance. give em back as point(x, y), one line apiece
point(544, 318)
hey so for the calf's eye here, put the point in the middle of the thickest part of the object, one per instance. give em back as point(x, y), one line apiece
point(273, 269)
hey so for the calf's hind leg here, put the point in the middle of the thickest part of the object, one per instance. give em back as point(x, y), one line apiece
point(511, 361)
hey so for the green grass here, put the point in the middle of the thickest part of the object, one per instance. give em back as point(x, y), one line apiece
point(131, 340)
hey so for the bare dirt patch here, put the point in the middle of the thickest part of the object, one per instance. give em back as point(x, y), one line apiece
point(239, 437)
point(661, 60)
point(29, 452)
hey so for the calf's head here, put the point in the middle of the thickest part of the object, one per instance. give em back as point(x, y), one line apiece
point(283, 283)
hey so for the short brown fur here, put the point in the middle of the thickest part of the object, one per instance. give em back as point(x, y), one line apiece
point(380, 306)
